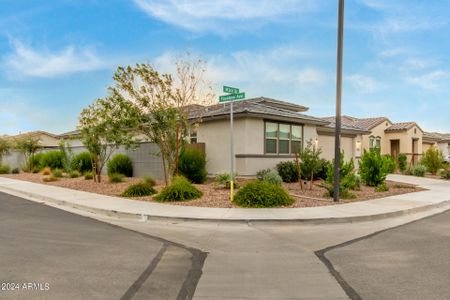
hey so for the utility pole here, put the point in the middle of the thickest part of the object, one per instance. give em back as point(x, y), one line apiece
point(337, 137)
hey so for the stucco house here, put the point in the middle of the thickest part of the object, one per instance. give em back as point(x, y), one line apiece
point(266, 131)
point(438, 140)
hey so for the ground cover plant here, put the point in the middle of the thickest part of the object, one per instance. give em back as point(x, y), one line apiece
point(179, 190)
point(4, 169)
point(115, 177)
point(419, 170)
point(139, 190)
point(262, 194)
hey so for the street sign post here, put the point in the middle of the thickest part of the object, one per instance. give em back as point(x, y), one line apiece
point(234, 94)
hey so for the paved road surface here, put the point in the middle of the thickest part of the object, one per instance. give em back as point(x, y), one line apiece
point(59, 255)
point(408, 262)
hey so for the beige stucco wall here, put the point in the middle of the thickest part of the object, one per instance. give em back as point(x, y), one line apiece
point(406, 138)
point(378, 131)
point(426, 146)
point(351, 148)
point(444, 147)
point(48, 141)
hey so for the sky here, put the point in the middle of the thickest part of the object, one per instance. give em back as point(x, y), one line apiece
point(57, 57)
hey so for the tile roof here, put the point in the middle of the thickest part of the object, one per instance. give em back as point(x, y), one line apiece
point(402, 126)
point(365, 123)
point(436, 136)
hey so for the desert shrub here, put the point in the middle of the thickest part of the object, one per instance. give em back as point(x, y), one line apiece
point(432, 159)
point(288, 171)
point(15, 171)
point(445, 174)
point(261, 173)
point(262, 194)
point(34, 163)
point(50, 179)
point(351, 181)
point(347, 177)
point(57, 173)
point(121, 164)
point(311, 162)
point(224, 180)
point(89, 175)
point(389, 164)
point(46, 171)
point(115, 177)
point(139, 189)
point(4, 169)
point(192, 165)
point(382, 188)
point(372, 168)
point(74, 174)
point(324, 165)
point(401, 161)
point(179, 190)
point(419, 170)
point(149, 180)
point(344, 193)
point(273, 178)
point(82, 162)
point(52, 159)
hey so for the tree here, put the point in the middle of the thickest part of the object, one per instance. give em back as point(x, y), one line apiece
point(372, 169)
point(105, 125)
point(5, 147)
point(28, 145)
point(164, 104)
point(433, 159)
point(311, 163)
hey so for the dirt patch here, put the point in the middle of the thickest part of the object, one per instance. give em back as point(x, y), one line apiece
point(215, 196)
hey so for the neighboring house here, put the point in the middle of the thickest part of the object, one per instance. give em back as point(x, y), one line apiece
point(266, 132)
point(438, 140)
point(46, 139)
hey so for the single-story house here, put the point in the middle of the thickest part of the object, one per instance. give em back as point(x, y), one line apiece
point(438, 140)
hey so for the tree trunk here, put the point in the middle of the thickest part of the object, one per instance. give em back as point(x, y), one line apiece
point(311, 182)
point(299, 170)
point(164, 169)
point(176, 150)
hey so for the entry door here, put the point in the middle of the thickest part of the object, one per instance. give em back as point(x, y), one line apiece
point(395, 148)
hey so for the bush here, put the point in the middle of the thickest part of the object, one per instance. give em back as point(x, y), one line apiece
point(149, 180)
point(179, 190)
point(52, 159)
point(120, 163)
point(74, 174)
point(34, 163)
point(273, 178)
point(432, 159)
point(46, 171)
point(15, 171)
point(82, 162)
point(192, 165)
point(389, 164)
point(372, 169)
point(347, 176)
point(4, 169)
point(311, 162)
point(261, 173)
point(323, 169)
point(445, 174)
point(351, 181)
point(224, 180)
point(382, 188)
point(139, 189)
point(57, 173)
point(288, 171)
point(262, 194)
point(419, 170)
point(89, 175)
point(344, 193)
point(115, 177)
point(401, 161)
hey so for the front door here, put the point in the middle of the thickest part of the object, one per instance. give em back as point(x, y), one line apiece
point(395, 148)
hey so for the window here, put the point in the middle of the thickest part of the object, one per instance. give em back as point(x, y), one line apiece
point(374, 142)
point(378, 142)
point(282, 138)
point(371, 142)
point(193, 135)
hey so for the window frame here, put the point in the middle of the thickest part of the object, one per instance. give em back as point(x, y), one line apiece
point(277, 139)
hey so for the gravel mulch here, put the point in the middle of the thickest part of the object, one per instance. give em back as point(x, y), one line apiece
point(214, 196)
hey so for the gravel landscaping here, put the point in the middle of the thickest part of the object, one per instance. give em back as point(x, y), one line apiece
point(214, 196)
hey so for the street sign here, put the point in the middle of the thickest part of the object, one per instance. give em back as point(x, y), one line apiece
point(230, 90)
point(231, 97)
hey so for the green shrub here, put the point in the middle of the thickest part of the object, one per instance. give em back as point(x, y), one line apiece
point(262, 194)
point(347, 178)
point(74, 174)
point(419, 170)
point(4, 169)
point(179, 190)
point(224, 180)
point(273, 178)
point(89, 175)
point(351, 181)
point(149, 180)
point(389, 164)
point(344, 193)
point(401, 161)
point(323, 169)
point(82, 162)
point(120, 163)
point(311, 162)
point(15, 171)
point(372, 168)
point(345, 168)
point(261, 173)
point(445, 174)
point(34, 163)
point(57, 173)
point(138, 190)
point(432, 159)
point(52, 159)
point(192, 165)
point(382, 188)
point(288, 171)
point(115, 177)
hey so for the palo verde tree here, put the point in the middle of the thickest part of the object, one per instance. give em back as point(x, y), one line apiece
point(105, 125)
point(164, 104)
point(28, 145)
point(5, 147)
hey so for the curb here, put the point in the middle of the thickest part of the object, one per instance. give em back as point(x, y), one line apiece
point(146, 217)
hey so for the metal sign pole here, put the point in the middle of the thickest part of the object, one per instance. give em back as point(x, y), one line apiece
point(232, 153)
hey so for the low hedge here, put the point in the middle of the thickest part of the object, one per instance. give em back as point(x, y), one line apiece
point(81, 162)
point(179, 190)
point(120, 163)
point(262, 194)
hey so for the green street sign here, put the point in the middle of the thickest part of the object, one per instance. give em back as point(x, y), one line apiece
point(230, 90)
point(231, 97)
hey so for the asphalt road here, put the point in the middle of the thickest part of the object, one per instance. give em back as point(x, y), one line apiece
point(47, 253)
point(408, 262)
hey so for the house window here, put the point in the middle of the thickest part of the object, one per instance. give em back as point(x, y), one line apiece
point(282, 138)
point(378, 142)
point(193, 135)
point(371, 142)
point(374, 142)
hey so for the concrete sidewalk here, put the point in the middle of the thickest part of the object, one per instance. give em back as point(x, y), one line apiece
point(438, 194)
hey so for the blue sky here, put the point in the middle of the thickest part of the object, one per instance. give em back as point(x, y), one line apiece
point(56, 57)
